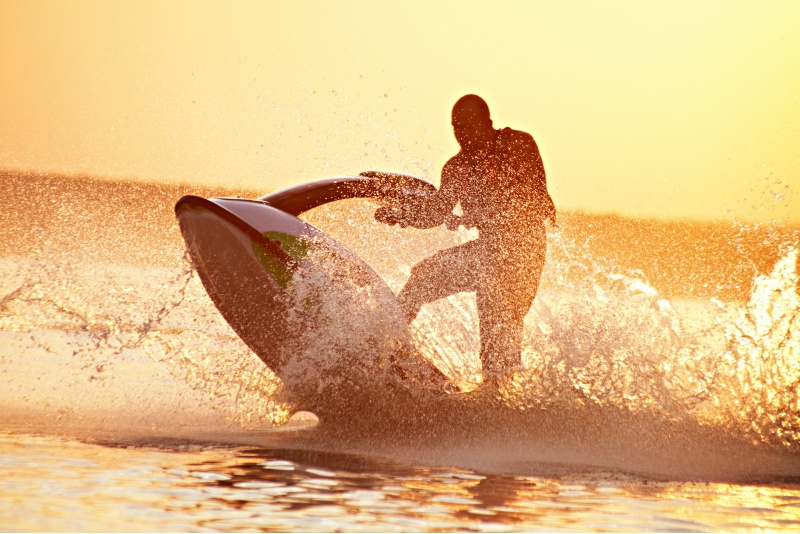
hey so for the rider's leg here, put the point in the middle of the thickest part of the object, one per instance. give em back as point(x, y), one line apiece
point(504, 295)
point(449, 271)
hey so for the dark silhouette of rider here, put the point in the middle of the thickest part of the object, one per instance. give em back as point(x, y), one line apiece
point(499, 180)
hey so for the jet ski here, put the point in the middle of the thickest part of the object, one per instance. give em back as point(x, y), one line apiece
point(273, 278)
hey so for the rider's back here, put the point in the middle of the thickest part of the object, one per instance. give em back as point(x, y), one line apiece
point(506, 193)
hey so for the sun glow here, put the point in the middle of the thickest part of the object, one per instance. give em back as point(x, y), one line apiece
point(673, 111)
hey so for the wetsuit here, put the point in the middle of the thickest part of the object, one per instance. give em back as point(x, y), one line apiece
point(503, 193)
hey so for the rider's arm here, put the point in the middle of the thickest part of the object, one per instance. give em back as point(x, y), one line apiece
point(430, 211)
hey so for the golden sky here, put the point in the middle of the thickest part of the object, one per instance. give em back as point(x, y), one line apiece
point(669, 109)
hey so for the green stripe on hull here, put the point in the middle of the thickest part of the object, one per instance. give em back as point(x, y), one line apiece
point(295, 247)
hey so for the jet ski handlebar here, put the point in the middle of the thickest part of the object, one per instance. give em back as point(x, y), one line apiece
point(393, 189)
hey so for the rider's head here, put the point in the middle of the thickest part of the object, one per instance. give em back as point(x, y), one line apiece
point(472, 124)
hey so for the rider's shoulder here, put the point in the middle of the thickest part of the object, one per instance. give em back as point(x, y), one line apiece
point(512, 136)
point(516, 143)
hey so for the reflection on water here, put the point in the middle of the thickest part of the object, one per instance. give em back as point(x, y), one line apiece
point(53, 484)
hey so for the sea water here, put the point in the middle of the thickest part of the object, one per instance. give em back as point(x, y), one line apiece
point(648, 400)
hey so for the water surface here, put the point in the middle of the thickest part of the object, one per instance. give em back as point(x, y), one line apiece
point(55, 484)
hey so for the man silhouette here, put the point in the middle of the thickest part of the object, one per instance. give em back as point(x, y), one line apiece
point(498, 179)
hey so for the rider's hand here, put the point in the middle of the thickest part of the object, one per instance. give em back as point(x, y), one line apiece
point(391, 217)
